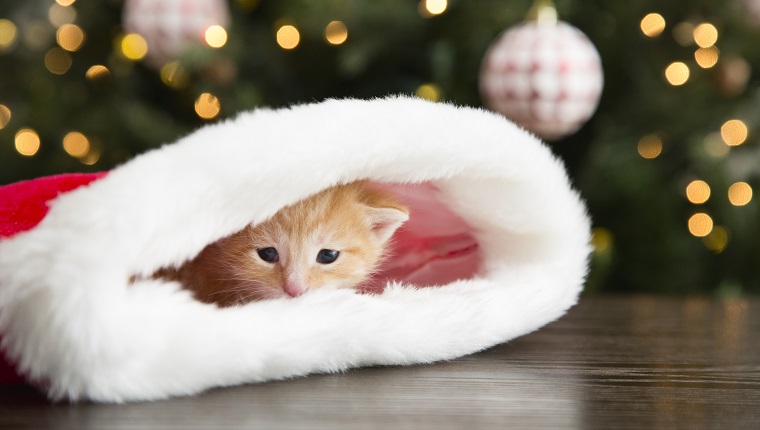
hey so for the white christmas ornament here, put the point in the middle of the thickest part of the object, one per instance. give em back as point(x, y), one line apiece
point(547, 77)
point(170, 26)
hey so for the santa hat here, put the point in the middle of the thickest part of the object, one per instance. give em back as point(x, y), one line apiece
point(490, 205)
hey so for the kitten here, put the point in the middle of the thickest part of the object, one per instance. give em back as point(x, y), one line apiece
point(333, 239)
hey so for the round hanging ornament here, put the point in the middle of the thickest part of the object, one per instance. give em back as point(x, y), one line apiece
point(170, 26)
point(544, 74)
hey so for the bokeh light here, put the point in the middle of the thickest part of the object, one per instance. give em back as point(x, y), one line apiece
point(58, 61)
point(717, 240)
point(733, 75)
point(288, 37)
point(677, 73)
point(740, 193)
point(92, 156)
point(707, 57)
point(70, 37)
point(430, 92)
point(601, 239)
point(60, 15)
point(435, 7)
point(65, 2)
point(76, 144)
point(683, 33)
point(652, 25)
point(705, 35)
point(27, 142)
point(97, 72)
point(8, 34)
point(5, 116)
point(216, 36)
point(734, 132)
point(715, 146)
point(207, 106)
point(174, 75)
point(134, 47)
point(698, 192)
point(336, 33)
point(700, 224)
point(650, 146)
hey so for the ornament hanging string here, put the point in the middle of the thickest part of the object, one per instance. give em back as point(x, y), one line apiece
point(543, 12)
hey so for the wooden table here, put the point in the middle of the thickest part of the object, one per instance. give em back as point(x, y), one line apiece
point(612, 362)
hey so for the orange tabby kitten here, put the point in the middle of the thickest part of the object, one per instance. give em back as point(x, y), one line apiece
point(333, 239)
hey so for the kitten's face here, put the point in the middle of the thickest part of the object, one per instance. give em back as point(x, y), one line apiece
point(334, 239)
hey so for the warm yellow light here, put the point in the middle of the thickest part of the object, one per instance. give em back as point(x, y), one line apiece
point(698, 192)
point(76, 144)
point(717, 240)
point(740, 193)
point(734, 132)
point(216, 36)
point(336, 33)
point(70, 37)
point(436, 7)
point(677, 73)
point(705, 35)
point(27, 142)
point(430, 92)
point(58, 61)
point(65, 2)
point(288, 37)
point(707, 57)
point(134, 46)
point(652, 25)
point(92, 157)
point(207, 106)
point(8, 33)
point(174, 75)
point(601, 239)
point(97, 72)
point(5, 116)
point(700, 224)
point(60, 15)
point(650, 146)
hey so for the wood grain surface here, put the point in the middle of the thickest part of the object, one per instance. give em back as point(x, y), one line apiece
point(612, 362)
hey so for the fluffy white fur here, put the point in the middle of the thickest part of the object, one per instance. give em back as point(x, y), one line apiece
point(70, 319)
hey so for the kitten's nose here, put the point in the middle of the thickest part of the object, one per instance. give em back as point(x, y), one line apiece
point(294, 289)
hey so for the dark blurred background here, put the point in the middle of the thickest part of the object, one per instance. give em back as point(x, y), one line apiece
point(667, 163)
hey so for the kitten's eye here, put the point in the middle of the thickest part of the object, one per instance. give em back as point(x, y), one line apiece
point(269, 254)
point(327, 256)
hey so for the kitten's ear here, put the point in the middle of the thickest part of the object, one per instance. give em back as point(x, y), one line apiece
point(385, 221)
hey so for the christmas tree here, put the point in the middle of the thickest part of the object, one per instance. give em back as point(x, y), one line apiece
point(667, 163)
